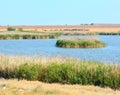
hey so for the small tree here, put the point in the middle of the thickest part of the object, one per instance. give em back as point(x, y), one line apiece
point(11, 29)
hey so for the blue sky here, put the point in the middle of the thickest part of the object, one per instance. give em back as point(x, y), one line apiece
point(58, 12)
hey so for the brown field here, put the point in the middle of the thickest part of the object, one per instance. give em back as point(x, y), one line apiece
point(83, 28)
point(14, 87)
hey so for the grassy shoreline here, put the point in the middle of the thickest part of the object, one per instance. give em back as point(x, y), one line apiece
point(24, 35)
point(80, 43)
point(58, 70)
point(83, 33)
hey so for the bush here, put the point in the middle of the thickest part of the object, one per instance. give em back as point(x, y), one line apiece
point(20, 29)
point(7, 72)
point(27, 71)
point(11, 29)
point(58, 73)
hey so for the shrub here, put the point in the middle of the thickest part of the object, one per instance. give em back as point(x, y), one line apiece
point(20, 29)
point(11, 29)
point(27, 71)
point(7, 72)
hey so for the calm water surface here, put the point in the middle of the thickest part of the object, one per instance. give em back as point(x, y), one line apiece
point(46, 47)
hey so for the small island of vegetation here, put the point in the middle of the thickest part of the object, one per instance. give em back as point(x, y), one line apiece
point(80, 43)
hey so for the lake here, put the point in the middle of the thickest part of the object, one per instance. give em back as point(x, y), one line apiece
point(46, 47)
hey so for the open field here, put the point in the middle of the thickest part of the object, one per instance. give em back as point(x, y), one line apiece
point(14, 87)
point(83, 28)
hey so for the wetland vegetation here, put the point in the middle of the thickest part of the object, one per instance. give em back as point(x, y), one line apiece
point(80, 43)
point(24, 35)
point(89, 33)
point(60, 70)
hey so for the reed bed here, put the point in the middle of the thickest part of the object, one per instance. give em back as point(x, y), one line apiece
point(60, 70)
point(80, 43)
point(67, 33)
point(83, 33)
point(109, 33)
point(79, 33)
point(22, 35)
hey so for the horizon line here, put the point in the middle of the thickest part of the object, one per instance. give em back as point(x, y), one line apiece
point(63, 24)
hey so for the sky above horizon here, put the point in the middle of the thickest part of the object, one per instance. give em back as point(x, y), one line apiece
point(58, 12)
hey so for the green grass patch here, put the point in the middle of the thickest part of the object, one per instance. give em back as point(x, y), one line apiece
point(80, 43)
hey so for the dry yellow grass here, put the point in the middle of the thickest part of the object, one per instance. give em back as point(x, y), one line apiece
point(7, 59)
point(14, 87)
point(90, 28)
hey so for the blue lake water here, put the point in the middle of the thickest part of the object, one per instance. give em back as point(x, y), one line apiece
point(46, 47)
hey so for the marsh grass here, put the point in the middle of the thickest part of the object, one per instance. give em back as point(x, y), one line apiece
point(80, 43)
point(84, 33)
point(109, 33)
point(26, 35)
point(60, 70)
